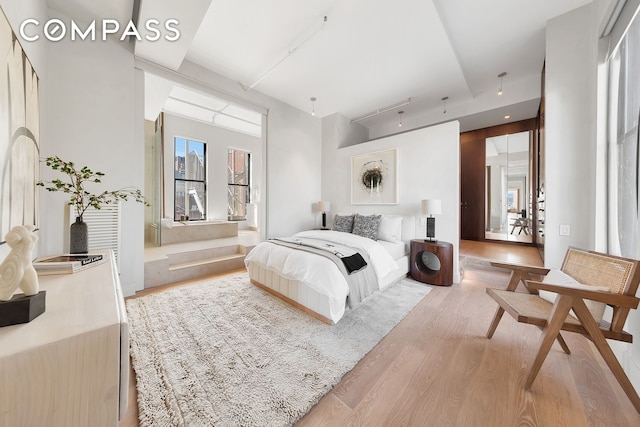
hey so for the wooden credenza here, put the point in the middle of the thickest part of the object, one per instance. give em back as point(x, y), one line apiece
point(70, 365)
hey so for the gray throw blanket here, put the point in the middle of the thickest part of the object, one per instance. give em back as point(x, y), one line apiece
point(353, 265)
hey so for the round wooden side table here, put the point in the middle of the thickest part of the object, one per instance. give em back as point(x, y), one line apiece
point(432, 262)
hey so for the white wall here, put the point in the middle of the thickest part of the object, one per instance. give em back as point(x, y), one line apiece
point(570, 144)
point(338, 131)
point(92, 115)
point(428, 167)
point(218, 141)
point(294, 170)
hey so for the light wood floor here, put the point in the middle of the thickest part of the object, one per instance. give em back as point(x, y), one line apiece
point(500, 251)
point(437, 368)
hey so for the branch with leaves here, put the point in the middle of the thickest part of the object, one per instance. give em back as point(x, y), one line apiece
point(81, 199)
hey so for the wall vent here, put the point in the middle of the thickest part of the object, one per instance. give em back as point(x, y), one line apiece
point(104, 228)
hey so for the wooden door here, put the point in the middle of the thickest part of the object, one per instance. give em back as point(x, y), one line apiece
point(472, 206)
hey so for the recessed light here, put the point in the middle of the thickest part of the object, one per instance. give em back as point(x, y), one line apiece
point(507, 117)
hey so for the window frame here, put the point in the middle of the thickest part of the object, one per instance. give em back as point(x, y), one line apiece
point(232, 185)
point(186, 180)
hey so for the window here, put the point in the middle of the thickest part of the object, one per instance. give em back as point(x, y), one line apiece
point(624, 146)
point(190, 189)
point(239, 179)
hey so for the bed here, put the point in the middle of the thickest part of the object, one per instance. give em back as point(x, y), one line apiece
point(315, 283)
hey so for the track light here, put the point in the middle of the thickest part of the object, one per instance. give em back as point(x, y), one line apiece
point(444, 105)
point(297, 44)
point(400, 113)
point(381, 110)
point(501, 76)
point(313, 105)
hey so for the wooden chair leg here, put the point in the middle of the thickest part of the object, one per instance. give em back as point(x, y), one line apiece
point(563, 344)
point(514, 280)
point(495, 321)
point(607, 354)
point(558, 315)
point(516, 277)
point(561, 341)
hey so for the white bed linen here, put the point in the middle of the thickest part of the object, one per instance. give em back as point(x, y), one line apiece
point(381, 261)
point(395, 249)
point(320, 273)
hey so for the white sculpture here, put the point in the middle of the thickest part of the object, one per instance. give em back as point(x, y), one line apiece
point(17, 271)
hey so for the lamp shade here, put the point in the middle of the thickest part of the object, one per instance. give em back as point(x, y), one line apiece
point(324, 206)
point(432, 206)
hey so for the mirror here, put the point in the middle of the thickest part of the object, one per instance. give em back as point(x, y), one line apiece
point(508, 188)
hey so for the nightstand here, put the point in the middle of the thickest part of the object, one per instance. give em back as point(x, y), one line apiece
point(432, 262)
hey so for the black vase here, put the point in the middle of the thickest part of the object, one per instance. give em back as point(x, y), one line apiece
point(79, 237)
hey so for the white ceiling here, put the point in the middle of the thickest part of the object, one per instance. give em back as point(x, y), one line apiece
point(369, 54)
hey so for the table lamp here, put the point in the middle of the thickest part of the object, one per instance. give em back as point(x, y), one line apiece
point(431, 207)
point(324, 207)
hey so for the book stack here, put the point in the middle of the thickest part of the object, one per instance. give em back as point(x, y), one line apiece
point(66, 264)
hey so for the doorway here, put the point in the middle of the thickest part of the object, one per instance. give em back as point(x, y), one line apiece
point(498, 182)
point(189, 146)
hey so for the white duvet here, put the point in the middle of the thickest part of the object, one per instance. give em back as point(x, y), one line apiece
point(318, 272)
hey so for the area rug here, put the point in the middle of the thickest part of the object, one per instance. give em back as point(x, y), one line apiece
point(225, 353)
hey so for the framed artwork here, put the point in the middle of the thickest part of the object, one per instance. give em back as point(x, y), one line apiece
point(374, 178)
point(19, 133)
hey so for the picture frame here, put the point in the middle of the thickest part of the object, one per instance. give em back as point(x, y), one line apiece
point(374, 178)
point(19, 134)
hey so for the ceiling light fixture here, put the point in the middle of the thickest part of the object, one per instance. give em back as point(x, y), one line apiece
point(507, 117)
point(501, 76)
point(313, 105)
point(381, 110)
point(444, 104)
point(400, 113)
point(300, 40)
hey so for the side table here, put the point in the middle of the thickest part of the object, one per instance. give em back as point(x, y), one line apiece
point(432, 262)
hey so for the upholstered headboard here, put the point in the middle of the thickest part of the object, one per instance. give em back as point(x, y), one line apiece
point(408, 228)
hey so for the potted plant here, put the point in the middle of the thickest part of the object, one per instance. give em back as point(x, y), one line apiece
point(81, 199)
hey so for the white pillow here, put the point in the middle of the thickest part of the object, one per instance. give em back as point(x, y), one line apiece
point(390, 228)
point(558, 277)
